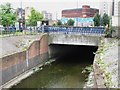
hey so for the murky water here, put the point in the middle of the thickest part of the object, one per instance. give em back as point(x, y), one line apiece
point(65, 72)
point(59, 74)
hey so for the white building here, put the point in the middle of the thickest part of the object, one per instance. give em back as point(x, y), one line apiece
point(47, 15)
point(112, 8)
point(116, 13)
point(116, 7)
point(106, 7)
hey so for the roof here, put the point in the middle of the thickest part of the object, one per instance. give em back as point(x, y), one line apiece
point(72, 9)
point(79, 9)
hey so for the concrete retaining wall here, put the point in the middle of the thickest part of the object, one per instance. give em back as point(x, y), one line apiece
point(15, 64)
point(106, 64)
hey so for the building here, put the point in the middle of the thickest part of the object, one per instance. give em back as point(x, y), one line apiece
point(116, 7)
point(46, 15)
point(116, 13)
point(82, 16)
point(106, 7)
point(27, 12)
point(84, 12)
point(103, 7)
point(21, 17)
point(109, 7)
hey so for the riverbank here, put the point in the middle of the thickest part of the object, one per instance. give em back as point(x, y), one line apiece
point(17, 63)
point(105, 72)
point(14, 44)
point(25, 75)
point(106, 64)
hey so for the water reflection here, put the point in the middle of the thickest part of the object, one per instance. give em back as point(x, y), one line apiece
point(57, 75)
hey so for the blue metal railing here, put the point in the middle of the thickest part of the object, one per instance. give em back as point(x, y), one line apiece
point(77, 30)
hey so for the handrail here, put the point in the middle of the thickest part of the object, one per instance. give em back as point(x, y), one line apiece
point(84, 30)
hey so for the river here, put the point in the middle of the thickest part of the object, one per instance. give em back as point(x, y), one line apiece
point(65, 72)
point(57, 75)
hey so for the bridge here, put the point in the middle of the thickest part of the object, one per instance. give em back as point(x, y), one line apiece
point(90, 36)
point(90, 31)
point(75, 40)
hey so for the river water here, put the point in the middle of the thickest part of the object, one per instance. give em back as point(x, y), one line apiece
point(65, 72)
point(57, 75)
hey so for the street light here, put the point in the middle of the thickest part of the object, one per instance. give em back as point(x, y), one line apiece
point(100, 21)
point(20, 16)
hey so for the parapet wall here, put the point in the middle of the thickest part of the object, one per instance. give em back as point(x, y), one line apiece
point(17, 63)
point(71, 39)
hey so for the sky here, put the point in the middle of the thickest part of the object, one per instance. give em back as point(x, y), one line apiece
point(53, 6)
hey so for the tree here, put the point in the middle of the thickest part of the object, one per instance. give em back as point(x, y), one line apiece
point(105, 20)
point(70, 22)
point(59, 23)
point(54, 24)
point(7, 15)
point(34, 17)
point(97, 19)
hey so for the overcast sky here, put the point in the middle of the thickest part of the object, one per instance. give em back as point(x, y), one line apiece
point(53, 6)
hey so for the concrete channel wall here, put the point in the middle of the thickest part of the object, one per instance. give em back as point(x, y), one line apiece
point(17, 63)
point(106, 64)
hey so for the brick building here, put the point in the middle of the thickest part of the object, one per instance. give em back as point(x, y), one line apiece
point(84, 12)
point(82, 16)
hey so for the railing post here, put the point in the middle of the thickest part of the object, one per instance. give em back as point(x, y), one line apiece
point(42, 29)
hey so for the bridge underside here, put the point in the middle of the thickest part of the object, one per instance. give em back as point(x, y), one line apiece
point(72, 52)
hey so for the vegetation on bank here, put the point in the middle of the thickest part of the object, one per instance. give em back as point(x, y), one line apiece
point(100, 56)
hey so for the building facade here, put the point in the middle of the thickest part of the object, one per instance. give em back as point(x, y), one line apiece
point(116, 7)
point(116, 13)
point(82, 16)
point(46, 15)
point(84, 12)
point(103, 7)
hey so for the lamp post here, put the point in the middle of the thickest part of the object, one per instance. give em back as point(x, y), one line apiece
point(20, 16)
point(100, 21)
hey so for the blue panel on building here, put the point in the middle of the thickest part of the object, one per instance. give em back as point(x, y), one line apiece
point(81, 20)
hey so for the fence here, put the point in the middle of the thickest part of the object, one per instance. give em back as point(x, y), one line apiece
point(58, 29)
point(12, 32)
point(75, 30)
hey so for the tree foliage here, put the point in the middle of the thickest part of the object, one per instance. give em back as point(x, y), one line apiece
point(105, 19)
point(70, 22)
point(34, 17)
point(59, 23)
point(54, 24)
point(7, 15)
point(97, 19)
